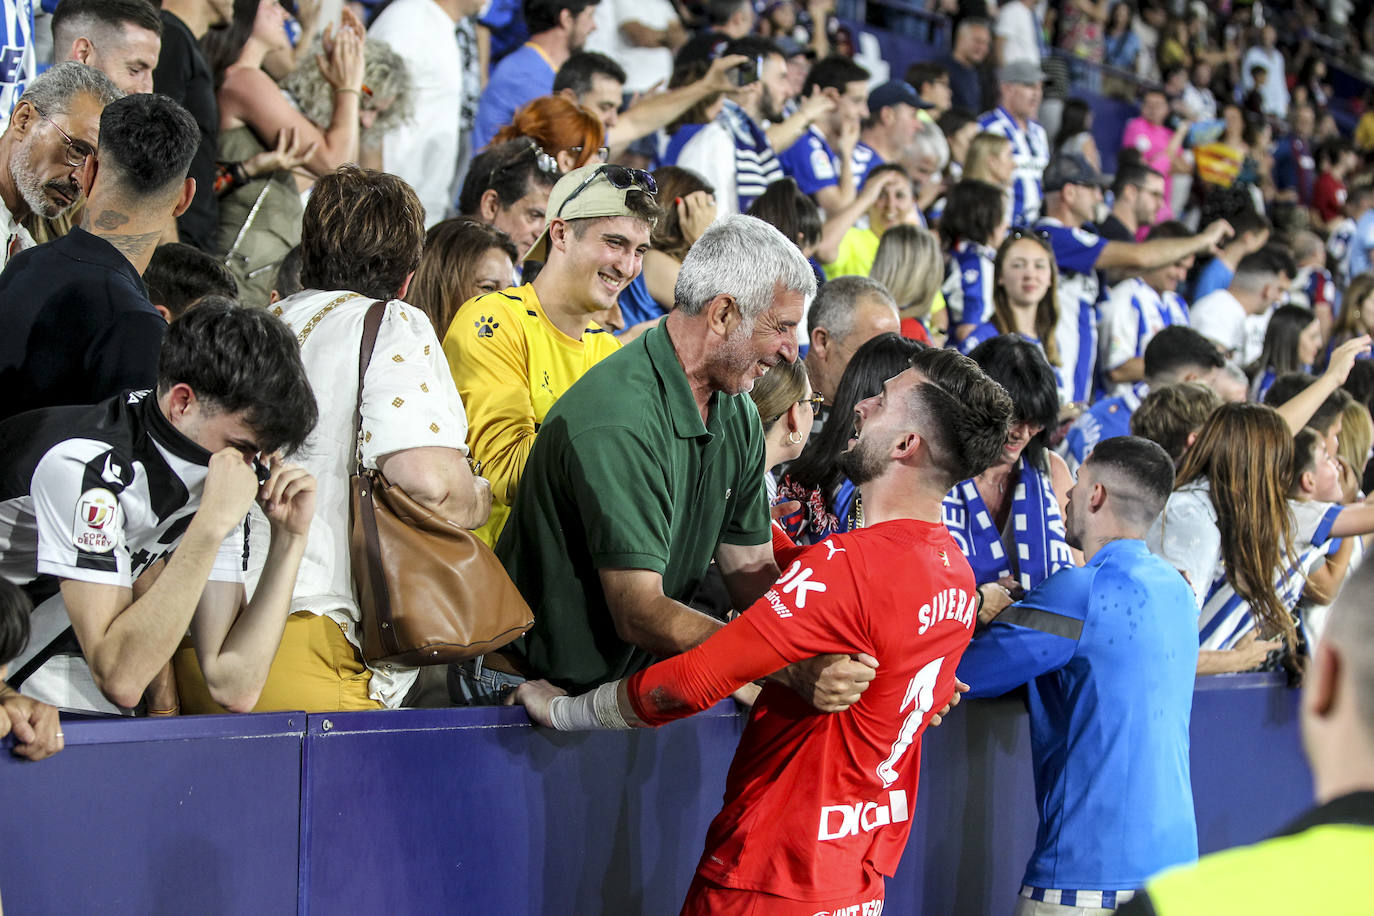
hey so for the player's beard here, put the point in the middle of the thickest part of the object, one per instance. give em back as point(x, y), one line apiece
point(862, 463)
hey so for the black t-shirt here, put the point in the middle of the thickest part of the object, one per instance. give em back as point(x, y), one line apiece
point(76, 327)
point(1114, 230)
point(183, 75)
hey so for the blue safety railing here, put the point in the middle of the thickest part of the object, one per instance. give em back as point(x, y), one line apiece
point(474, 811)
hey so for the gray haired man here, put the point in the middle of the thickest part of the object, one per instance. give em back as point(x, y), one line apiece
point(647, 468)
point(848, 313)
point(53, 130)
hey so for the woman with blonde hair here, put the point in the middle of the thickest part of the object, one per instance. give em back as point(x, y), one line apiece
point(462, 258)
point(574, 136)
point(910, 265)
point(990, 159)
point(787, 408)
point(386, 101)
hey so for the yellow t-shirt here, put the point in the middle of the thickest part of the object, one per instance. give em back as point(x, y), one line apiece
point(858, 248)
point(1364, 132)
point(510, 365)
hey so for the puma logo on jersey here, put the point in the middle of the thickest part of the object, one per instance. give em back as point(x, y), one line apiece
point(832, 548)
point(839, 821)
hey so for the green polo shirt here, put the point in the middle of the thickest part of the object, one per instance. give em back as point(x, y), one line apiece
point(624, 474)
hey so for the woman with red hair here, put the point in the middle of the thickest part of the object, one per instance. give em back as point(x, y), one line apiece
point(571, 134)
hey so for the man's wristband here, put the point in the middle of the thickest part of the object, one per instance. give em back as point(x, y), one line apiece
point(599, 709)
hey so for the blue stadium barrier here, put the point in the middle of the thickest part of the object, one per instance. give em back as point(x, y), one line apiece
point(471, 810)
point(156, 816)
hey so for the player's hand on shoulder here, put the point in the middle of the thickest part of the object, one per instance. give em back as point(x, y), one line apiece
point(832, 683)
point(536, 696)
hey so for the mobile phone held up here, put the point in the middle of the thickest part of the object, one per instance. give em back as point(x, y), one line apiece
point(747, 73)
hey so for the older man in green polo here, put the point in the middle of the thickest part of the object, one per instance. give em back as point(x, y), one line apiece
point(650, 466)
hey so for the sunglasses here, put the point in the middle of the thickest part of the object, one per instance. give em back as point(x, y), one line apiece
point(1040, 235)
point(542, 160)
point(620, 177)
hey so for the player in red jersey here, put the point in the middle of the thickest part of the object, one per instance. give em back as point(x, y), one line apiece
point(818, 806)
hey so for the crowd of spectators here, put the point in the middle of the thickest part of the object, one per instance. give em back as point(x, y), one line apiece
point(596, 227)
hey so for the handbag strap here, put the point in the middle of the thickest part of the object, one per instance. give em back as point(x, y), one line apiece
point(371, 326)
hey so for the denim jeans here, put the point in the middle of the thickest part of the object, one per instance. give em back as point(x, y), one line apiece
point(470, 683)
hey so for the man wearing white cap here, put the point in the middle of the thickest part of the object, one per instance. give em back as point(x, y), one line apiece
point(514, 352)
point(1022, 85)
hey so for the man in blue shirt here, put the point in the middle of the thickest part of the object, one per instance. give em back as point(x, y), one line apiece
point(893, 121)
point(557, 29)
point(1175, 354)
point(821, 161)
point(1108, 652)
point(1022, 85)
point(1073, 190)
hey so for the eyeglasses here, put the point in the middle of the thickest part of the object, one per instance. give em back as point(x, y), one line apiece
point(76, 151)
point(817, 400)
point(602, 152)
point(620, 177)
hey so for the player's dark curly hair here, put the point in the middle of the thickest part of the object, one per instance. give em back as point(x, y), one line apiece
point(965, 414)
point(147, 140)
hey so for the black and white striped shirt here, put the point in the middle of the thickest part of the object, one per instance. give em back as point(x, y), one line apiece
point(97, 494)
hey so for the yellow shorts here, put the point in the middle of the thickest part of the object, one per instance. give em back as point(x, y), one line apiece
point(316, 669)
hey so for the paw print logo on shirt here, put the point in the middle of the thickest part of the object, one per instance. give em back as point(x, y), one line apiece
point(486, 326)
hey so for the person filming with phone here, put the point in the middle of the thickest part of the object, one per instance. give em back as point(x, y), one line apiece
point(733, 152)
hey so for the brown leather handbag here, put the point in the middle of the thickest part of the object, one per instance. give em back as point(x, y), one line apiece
point(430, 592)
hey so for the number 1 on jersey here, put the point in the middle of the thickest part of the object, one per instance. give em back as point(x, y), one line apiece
point(920, 691)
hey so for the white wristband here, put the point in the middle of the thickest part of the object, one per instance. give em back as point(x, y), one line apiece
point(573, 714)
point(598, 709)
point(607, 706)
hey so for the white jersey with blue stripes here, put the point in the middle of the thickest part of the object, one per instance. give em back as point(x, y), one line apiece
point(1030, 147)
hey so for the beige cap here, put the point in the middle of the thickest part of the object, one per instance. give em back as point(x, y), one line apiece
point(598, 198)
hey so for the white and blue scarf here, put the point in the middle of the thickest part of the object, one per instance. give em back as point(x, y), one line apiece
point(1038, 530)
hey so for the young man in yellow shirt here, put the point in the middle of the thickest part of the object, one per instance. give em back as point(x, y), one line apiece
point(513, 353)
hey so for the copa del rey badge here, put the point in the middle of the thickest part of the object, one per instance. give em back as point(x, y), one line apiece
point(97, 521)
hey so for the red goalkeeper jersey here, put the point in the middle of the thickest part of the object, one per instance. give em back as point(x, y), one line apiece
point(812, 799)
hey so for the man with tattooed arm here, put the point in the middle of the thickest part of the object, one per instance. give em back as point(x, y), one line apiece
point(76, 325)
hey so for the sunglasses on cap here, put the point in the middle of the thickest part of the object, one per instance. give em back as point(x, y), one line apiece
point(620, 177)
point(542, 160)
point(1040, 235)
